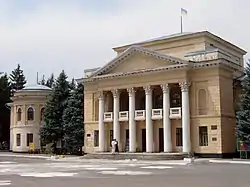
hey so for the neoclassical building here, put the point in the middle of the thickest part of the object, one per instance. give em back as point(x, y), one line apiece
point(169, 94)
point(27, 110)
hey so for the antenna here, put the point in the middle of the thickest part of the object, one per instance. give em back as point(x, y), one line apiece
point(37, 77)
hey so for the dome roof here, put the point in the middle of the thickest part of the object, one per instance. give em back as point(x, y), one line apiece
point(36, 87)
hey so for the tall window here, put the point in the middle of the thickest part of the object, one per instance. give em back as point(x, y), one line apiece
point(178, 136)
point(203, 136)
point(19, 114)
point(29, 138)
point(96, 138)
point(30, 114)
point(42, 114)
point(202, 102)
point(110, 136)
point(18, 139)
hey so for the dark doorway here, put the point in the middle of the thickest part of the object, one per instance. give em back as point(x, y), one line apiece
point(143, 140)
point(161, 143)
point(127, 141)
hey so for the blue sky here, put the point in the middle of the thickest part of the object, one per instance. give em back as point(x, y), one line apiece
point(50, 35)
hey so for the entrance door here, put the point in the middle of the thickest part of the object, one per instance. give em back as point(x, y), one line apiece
point(127, 141)
point(161, 142)
point(143, 139)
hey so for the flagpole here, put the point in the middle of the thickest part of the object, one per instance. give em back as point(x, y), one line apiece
point(181, 25)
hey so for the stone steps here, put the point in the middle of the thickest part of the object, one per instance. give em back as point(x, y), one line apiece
point(137, 156)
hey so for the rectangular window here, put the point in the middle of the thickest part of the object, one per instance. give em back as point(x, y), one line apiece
point(110, 136)
point(96, 138)
point(214, 127)
point(18, 139)
point(178, 136)
point(203, 136)
point(214, 139)
point(29, 139)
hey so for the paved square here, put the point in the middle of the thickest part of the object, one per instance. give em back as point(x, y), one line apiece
point(25, 172)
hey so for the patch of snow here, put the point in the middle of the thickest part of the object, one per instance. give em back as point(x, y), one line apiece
point(48, 175)
point(7, 162)
point(101, 169)
point(5, 183)
point(125, 173)
point(156, 167)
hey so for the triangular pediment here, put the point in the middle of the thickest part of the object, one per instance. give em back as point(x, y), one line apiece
point(137, 58)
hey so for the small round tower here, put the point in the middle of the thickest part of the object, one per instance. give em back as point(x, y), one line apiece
point(27, 116)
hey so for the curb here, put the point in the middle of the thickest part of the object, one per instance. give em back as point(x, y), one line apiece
point(229, 162)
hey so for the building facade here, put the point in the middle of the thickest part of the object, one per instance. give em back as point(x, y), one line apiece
point(27, 110)
point(170, 94)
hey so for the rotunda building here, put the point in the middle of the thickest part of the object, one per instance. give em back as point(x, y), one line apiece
point(27, 116)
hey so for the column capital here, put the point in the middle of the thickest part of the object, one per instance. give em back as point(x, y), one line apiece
point(100, 94)
point(131, 91)
point(115, 92)
point(165, 88)
point(147, 89)
point(184, 86)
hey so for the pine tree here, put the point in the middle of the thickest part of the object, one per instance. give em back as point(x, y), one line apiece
point(243, 115)
point(50, 82)
point(73, 121)
point(17, 79)
point(72, 85)
point(53, 127)
point(4, 111)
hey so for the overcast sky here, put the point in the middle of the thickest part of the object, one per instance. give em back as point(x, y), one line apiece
point(50, 35)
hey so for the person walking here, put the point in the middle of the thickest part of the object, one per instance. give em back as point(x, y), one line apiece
point(113, 146)
point(116, 146)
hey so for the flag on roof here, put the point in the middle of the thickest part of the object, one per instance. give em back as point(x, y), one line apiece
point(183, 11)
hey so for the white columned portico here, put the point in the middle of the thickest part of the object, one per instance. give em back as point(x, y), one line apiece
point(166, 120)
point(149, 125)
point(185, 117)
point(132, 124)
point(116, 125)
point(101, 122)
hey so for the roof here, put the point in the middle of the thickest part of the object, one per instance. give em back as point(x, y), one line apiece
point(166, 37)
point(36, 87)
point(178, 36)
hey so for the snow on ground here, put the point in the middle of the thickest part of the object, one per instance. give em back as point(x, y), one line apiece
point(66, 168)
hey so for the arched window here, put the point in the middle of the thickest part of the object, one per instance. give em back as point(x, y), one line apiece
point(30, 114)
point(19, 114)
point(42, 114)
point(202, 102)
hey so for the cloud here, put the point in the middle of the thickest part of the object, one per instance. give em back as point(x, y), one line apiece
point(75, 35)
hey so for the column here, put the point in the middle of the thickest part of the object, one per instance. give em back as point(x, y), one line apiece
point(132, 124)
point(186, 143)
point(149, 125)
point(101, 122)
point(116, 109)
point(166, 120)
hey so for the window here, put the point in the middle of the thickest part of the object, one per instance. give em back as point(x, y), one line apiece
point(202, 101)
point(110, 136)
point(203, 136)
point(214, 139)
point(178, 136)
point(29, 139)
point(18, 139)
point(19, 114)
point(42, 114)
point(96, 138)
point(30, 114)
point(214, 127)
